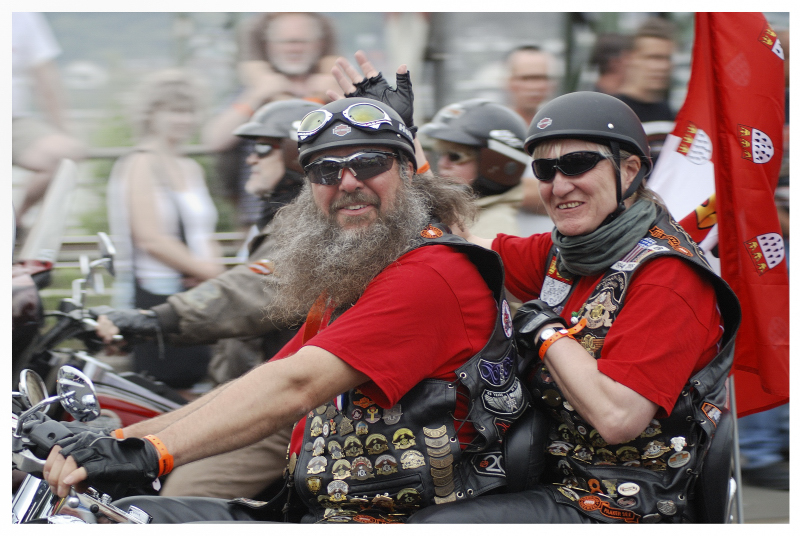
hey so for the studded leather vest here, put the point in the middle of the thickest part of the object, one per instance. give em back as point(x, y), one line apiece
point(651, 477)
point(370, 464)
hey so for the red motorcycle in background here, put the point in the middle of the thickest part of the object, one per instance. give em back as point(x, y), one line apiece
point(126, 397)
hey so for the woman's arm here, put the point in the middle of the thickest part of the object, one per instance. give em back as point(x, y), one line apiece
point(147, 229)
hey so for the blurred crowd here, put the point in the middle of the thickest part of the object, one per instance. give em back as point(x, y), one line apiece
point(163, 218)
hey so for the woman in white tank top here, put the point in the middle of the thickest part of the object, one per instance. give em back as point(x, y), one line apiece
point(161, 214)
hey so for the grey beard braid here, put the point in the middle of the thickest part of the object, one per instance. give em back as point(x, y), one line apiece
point(313, 254)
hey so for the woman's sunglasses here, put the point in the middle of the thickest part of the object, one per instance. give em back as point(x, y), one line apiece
point(363, 165)
point(263, 150)
point(570, 164)
point(455, 157)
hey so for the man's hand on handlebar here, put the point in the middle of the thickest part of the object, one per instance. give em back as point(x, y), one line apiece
point(141, 323)
point(62, 473)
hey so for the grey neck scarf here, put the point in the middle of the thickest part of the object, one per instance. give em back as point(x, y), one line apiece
point(595, 252)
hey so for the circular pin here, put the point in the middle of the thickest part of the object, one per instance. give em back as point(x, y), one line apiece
point(667, 508)
point(679, 459)
point(627, 502)
point(628, 489)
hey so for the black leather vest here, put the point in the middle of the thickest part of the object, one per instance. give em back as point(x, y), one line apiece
point(368, 464)
point(651, 477)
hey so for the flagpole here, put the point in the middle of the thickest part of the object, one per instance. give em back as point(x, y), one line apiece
point(737, 468)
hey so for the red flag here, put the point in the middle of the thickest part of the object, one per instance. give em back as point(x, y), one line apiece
point(718, 172)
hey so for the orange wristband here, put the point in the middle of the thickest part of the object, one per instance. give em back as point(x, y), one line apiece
point(425, 167)
point(559, 334)
point(241, 107)
point(165, 459)
point(118, 433)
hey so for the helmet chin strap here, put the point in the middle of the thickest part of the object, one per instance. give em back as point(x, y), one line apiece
point(631, 189)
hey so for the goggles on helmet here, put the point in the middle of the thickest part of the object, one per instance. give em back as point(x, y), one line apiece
point(570, 164)
point(363, 165)
point(361, 114)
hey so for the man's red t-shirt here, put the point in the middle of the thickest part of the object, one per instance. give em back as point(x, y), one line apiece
point(668, 328)
point(422, 317)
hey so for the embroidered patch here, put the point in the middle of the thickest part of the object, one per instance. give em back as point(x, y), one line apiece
point(591, 503)
point(489, 463)
point(496, 374)
point(263, 267)
point(508, 326)
point(507, 402)
point(431, 232)
point(674, 242)
point(600, 306)
point(712, 412)
point(643, 248)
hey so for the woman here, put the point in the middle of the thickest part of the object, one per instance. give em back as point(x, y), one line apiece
point(163, 218)
point(626, 311)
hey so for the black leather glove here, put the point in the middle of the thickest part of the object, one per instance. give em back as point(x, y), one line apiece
point(113, 465)
point(529, 320)
point(401, 99)
point(131, 322)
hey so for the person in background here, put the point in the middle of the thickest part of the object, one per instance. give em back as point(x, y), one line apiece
point(282, 55)
point(479, 143)
point(646, 85)
point(531, 81)
point(610, 55)
point(230, 309)
point(37, 145)
point(162, 219)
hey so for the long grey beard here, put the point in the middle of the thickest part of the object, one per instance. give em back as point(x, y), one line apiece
point(313, 254)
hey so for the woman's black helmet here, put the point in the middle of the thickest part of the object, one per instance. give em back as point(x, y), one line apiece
point(596, 117)
point(344, 123)
point(496, 131)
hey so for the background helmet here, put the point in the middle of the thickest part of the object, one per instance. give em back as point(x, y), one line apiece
point(339, 131)
point(595, 117)
point(279, 119)
point(496, 131)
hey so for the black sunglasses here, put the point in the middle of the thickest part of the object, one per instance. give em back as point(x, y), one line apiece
point(263, 150)
point(363, 165)
point(457, 158)
point(570, 164)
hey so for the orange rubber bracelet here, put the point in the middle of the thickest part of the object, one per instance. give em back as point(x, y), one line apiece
point(241, 107)
point(165, 459)
point(118, 433)
point(559, 334)
point(425, 167)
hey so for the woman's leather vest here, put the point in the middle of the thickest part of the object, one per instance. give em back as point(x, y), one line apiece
point(651, 477)
point(364, 463)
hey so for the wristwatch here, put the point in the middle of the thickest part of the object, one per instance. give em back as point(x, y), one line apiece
point(547, 337)
point(546, 334)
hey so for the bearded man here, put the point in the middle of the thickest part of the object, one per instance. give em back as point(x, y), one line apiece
point(402, 376)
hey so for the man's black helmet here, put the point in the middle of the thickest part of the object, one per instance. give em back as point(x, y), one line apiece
point(344, 123)
point(495, 130)
point(596, 117)
point(279, 119)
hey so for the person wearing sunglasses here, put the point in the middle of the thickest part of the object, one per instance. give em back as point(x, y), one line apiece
point(626, 333)
point(480, 143)
point(403, 373)
point(228, 310)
